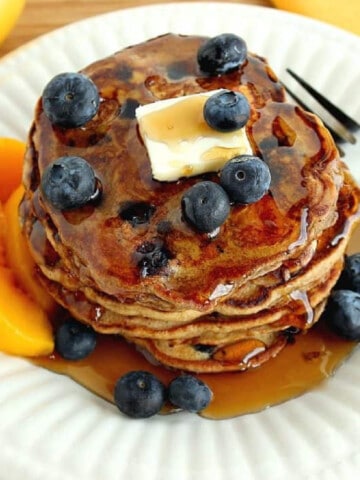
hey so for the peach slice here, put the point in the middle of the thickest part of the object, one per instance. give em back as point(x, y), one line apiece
point(24, 327)
point(18, 256)
point(2, 235)
point(12, 153)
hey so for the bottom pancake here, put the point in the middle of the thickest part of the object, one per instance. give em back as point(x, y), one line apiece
point(216, 342)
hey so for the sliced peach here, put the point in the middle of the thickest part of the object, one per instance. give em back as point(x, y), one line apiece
point(2, 235)
point(24, 326)
point(12, 153)
point(18, 256)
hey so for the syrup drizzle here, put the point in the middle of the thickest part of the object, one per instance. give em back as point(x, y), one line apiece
point(301, 296)
point(221, 290)
point(303, 231)
point(347, 228)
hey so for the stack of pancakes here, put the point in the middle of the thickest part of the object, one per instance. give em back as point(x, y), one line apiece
point(218, 302)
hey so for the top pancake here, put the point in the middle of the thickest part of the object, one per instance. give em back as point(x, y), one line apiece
point(101, 250)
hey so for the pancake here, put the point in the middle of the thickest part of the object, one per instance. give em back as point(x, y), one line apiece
point(217, 302)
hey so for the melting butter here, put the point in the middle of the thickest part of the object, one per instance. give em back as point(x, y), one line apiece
point(179, 141)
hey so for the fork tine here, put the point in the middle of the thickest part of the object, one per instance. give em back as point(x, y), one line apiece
point(338, 138)
point(348, 122)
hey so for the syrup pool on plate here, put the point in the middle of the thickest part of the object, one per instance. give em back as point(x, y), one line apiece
point(300, 367)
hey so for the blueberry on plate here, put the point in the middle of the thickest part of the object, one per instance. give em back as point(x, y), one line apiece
point(227, 111)
point(139, 394)
point(206, 206)
point(343, 314)
point(245, 178)
point(74, 340)
point(69, 182)
point(222, 54)
point(189, 393)
point(70, 100)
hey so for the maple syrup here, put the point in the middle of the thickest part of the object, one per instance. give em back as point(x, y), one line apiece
point(304, 363)
point(300, 367)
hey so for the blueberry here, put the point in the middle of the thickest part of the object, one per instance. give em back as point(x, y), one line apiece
point(245, 178)
point(69, 182)
point(139, 394)
point(226, 111)
point(74, 340)
point(222, 54)
point(202, 348)
point(153, 257)
point(206, 206)
point(128, 108)
point(70, 100)
point(136, 213)
point(350, 277)
point(189, 393)
point(178, 70)
point(343, 314)
point(290, 333)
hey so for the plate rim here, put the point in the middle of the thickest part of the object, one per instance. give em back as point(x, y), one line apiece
point(94, 19)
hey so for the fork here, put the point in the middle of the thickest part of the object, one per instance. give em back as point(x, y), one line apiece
point(341, 126)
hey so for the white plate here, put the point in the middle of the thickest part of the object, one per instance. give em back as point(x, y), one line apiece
point(51, 428)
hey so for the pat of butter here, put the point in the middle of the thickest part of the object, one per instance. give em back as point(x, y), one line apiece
point(179, 141)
